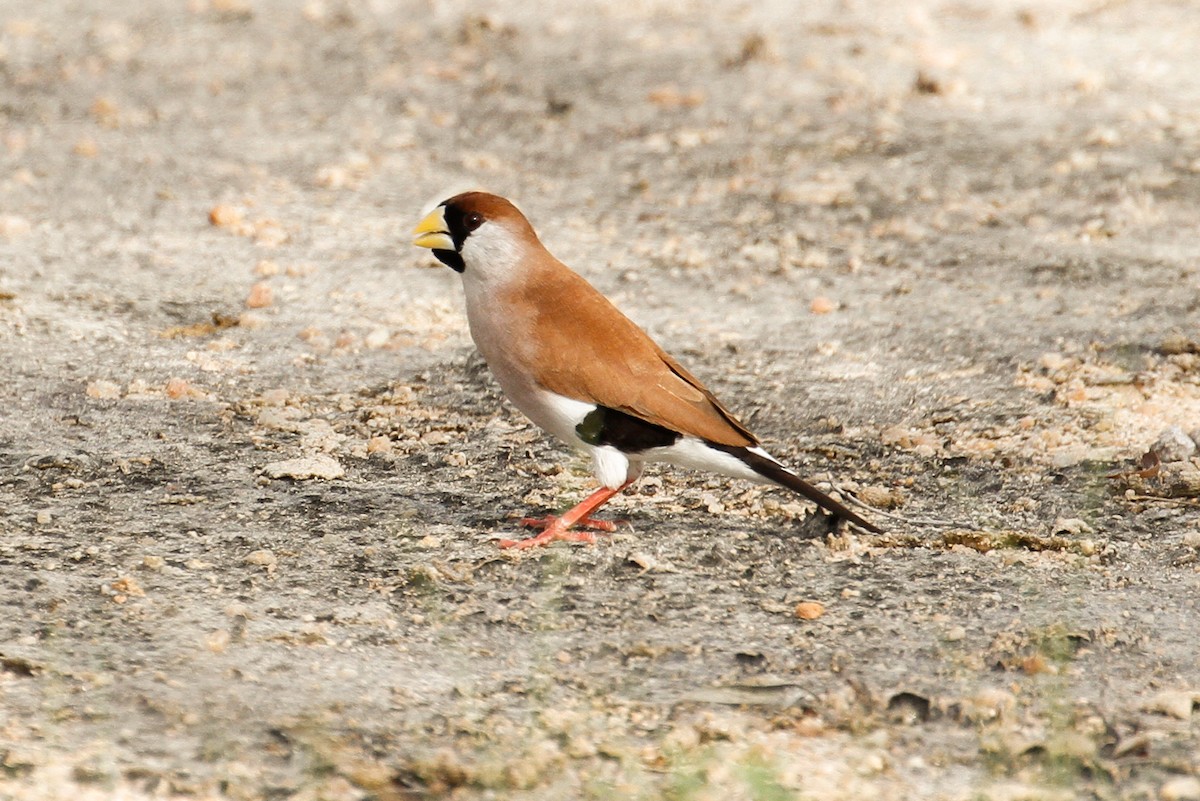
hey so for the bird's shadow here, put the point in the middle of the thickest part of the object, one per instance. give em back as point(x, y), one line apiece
point(814, 526)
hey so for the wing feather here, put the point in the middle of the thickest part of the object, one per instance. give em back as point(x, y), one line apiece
point(586, 349)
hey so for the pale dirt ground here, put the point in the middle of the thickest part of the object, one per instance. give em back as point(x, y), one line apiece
point(943, 253)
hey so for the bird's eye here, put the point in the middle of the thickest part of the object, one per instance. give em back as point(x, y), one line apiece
point(473, 221)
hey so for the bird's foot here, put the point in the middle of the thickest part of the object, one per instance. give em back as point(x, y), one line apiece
point(557, 528)
point(594, 523)
point(551, 531)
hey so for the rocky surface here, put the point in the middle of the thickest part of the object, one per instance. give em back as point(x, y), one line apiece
point(941, 254)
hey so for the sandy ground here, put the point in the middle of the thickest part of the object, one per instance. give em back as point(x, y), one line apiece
point(942, 254)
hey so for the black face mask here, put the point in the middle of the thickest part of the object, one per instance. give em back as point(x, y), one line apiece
point(451, 258)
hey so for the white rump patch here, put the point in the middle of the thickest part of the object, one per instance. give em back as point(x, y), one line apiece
point(694, 453)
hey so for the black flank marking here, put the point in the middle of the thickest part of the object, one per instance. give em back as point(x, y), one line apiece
point(626, 433)
point(772, 471)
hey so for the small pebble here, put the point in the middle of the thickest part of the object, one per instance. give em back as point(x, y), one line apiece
point(12, 226)
point(178, 388)
point(809, 610)
point(224, 216)
point(300, 270)
point(128, 586)
point(1071, 526)
point(103, 390)
point(217, 641)
point(1176, 703)
point(269, 233)
point(379, 444)
point(1181, 788)
point(263, 558)
point(261, 296)
point(250, 321)
point(1173, 445)
point(988, 704)
point(86, 147)
point(822, 305)
point(1175, 343)
point(880, 497)
point(377, 338)
point(873, 763)
point(1054, 361)
point(274, 397)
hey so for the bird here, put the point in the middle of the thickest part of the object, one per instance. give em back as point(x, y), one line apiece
point(580, 369)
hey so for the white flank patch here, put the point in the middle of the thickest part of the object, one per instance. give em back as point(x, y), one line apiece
point(559, 415)
point(556, 413)
point(694, 453)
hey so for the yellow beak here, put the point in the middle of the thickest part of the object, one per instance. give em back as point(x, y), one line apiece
point(432, 232)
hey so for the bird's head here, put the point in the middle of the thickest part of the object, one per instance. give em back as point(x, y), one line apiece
point(476, 232)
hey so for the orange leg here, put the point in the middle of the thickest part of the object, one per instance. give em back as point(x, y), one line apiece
point(594, 523)
point(555, 528)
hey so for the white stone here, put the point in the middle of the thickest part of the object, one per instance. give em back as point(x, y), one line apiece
point(319, 466)
point(1173, 445)
point(1181, 788)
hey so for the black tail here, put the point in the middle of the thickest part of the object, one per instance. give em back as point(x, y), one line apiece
point(773, 471)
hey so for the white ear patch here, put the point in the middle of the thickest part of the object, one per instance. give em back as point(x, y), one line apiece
point(491, 252)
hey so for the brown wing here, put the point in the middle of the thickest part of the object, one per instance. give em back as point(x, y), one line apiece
point(588, 350)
